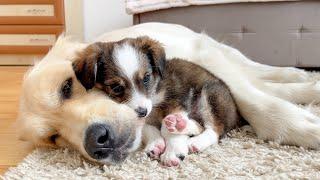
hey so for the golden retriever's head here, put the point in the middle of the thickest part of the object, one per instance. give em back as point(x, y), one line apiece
point(56, 110)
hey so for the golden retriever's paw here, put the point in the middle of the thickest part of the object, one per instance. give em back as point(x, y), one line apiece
point(308, 135)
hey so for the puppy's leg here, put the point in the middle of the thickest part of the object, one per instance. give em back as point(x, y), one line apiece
point(199, 143)
point(218, 114)
point(176, 148)
point(180, 123)
point(299, 93)
point(154, 142)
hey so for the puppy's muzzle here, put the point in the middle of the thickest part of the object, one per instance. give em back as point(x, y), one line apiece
point(102, 142)
point(142, 112)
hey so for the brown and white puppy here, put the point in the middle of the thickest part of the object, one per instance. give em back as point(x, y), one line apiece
point(135, 72)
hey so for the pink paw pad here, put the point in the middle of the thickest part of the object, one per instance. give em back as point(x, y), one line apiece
point(175, 122)
point(170, 163)
point(193, 149)
point(156, 151)
point(159, 148)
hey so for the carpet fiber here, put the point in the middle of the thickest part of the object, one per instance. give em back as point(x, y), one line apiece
point(240, 155)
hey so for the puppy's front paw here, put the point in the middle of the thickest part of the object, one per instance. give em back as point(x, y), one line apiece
point(201, 142)
point(175, 122)
point(194, 146)
point(174, 154)
point(170, 159)
point(155, 148)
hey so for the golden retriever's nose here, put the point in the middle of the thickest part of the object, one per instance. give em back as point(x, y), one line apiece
point(142, 112)
point(99, 141)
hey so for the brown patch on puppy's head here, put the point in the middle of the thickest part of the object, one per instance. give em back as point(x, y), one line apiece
point(154, 51)
point(86, 64)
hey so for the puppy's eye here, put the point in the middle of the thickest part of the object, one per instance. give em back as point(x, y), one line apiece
point(146, 79)
point(117, 88)
point(66, 89)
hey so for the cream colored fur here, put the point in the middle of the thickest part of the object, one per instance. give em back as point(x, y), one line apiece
point(272, 117)
point(261, 92)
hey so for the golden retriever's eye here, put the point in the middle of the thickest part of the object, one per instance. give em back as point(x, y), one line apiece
point(66, 89)
point(53, 138)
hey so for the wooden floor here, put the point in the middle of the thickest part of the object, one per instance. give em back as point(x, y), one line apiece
point(12, 150)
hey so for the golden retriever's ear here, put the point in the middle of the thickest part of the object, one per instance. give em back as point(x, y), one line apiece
point(86, 64)
point(155, 53)
point(35, 129)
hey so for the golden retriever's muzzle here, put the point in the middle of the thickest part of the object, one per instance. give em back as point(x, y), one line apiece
point(103, 143)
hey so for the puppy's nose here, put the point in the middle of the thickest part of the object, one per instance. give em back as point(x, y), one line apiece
point(99, 140)
point(142, 112)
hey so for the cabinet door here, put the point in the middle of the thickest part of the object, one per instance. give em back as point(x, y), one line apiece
point(31, 12)
point(28, 39)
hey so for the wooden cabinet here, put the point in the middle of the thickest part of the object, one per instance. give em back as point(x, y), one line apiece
point(28, 28)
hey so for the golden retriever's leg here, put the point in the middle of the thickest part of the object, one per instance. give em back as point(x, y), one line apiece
point(299, 93)
point(271, 117)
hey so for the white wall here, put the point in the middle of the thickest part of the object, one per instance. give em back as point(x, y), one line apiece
point(100, 16)
point(74, 18)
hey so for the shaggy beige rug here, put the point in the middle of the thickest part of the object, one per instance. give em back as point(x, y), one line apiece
point(239, 156)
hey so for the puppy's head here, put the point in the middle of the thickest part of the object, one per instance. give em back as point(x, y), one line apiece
point(128, 70)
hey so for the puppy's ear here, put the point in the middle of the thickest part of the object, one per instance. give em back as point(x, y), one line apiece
point(155, 53)
point(86, 64)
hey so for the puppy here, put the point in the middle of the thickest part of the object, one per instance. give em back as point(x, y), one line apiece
point(180, 98)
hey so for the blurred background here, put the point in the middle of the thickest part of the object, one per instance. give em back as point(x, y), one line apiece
point(274, 32)
point(108, 15)
point(28, 28)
